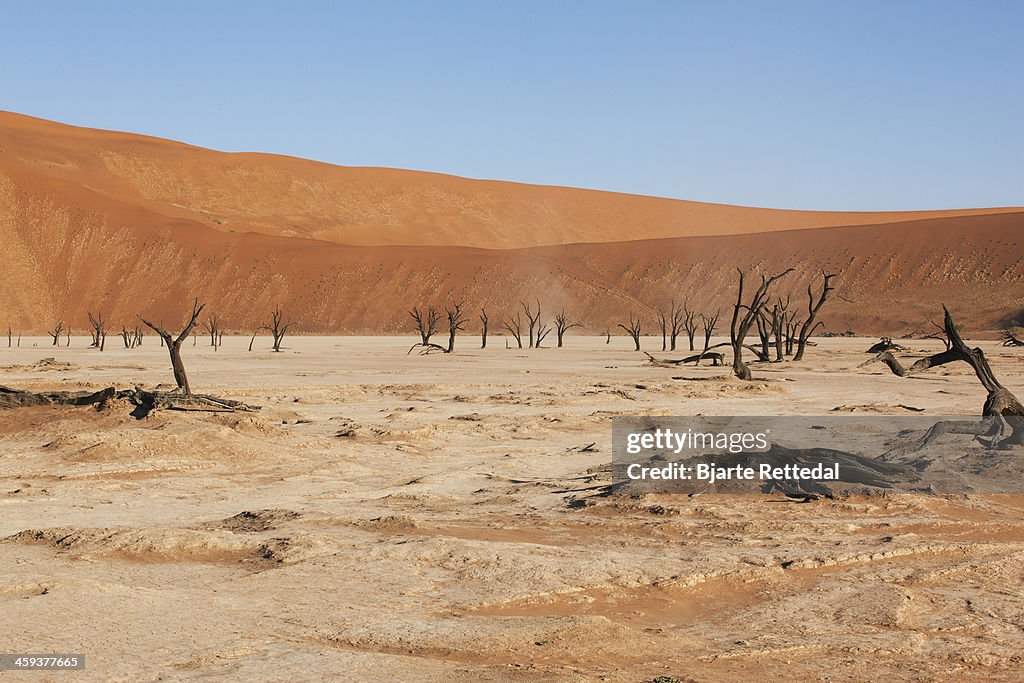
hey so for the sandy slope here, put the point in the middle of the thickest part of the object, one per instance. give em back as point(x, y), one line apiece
point(394, 517)
point(128, 225)
point(286, 196)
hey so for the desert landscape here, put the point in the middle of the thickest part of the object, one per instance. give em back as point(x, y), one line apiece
point(348, 484)
point(446, 517)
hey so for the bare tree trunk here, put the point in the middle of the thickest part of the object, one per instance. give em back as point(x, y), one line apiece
point(633, 330)
point(455, 324)
point(741, 324)
point(174, 346)
point(532, 317)
point(562, 325)
point(515, 328)
point(812, 312)
point(483, 328)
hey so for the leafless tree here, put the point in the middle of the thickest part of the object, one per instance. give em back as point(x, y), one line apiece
point(426, 323)
point(532, 316)
point(483, 328)
point(941, 336)
point(99, 333)
point(676, 317)
point(515, 328)
point(663, 326)
point(456, 321)
point(128, 337)
point(174, 345)
point(689, 320)
point(10, 334)
point(212, 326)
point(278, 327)
point(55, 332)
point(252, 339)
point(709, 323)
point(634, 330)
point(744, 317)
point(812, 312)
point(562, 325)
point(778, 327)
point(543, 330)
point(68, 337)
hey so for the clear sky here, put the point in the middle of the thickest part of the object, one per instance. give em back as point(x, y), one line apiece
point(820, 104)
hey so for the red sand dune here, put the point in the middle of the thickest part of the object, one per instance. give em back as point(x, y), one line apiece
point(129, 224)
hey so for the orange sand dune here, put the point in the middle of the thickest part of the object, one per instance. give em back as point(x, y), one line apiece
point(110, 222)
point(291, 197)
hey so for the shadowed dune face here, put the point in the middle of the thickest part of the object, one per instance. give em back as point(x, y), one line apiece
point(128, 224)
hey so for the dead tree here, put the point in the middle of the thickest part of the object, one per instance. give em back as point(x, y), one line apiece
point(55, 332)
point(278, 327)
point(709, 323)
point(543, 330)
point(689, 323)
point(515, 328)
point(663, 324)
point(212, 326)
point(531, 316)
point(741, 324)
point(778, 325)
point(10, 334)
point(99, 333)
point(1009, 339)
point(252, 339)
point(456, 320)
point(812, 313)
point(174, 345)
point(633, 330)
point(483, 328)
point(1000, 402)
point(562, 325)
point(764, 332)
point(127, 337)
point(607, 336)
point(426, 323)
point(675, 324)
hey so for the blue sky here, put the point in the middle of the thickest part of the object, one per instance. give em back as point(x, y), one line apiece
point(816, 105)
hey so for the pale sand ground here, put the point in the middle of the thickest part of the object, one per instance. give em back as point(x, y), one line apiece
point(438, 543)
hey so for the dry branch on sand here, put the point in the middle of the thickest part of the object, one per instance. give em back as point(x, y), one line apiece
point(146, 400)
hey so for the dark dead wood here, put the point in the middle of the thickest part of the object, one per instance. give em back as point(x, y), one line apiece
point(150, 401)
point(1009, 339)
point(999, 402)
point(744, 317)
point(14, 398)
point(885, 344)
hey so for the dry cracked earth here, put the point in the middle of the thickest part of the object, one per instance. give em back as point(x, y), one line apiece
point(393, 517)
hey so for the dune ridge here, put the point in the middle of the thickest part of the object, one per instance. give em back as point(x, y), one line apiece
point(129, 225)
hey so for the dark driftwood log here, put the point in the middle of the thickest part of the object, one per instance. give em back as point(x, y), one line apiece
point(13, 398)
point(149, 401)
point(1010, 339)
point(885, 344)
point(1000, 401)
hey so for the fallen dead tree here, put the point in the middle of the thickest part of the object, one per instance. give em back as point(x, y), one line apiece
point(885, 344)
point(147, 401)
point(14, 398)
point(1000, 402)
point(715, 358)
point(1009, 338)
